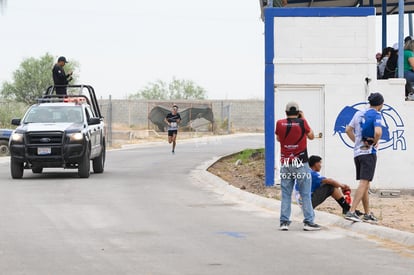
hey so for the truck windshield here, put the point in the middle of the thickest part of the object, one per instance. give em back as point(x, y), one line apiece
point(58, 114)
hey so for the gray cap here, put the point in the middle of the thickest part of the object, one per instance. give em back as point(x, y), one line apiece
point(292, 107)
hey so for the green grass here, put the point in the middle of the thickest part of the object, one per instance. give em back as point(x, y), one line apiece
point(246, 154)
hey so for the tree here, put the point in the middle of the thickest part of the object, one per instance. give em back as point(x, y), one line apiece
point(31, 79)
point(176, 89)
point(9, 110)
point(154, 90)
point(3, 4)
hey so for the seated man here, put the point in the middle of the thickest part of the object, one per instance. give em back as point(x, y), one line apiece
point(323, 187)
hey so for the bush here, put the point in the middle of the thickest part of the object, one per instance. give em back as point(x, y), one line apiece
point(9, 110)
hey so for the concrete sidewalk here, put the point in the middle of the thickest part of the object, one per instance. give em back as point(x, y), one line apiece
point(373, 231)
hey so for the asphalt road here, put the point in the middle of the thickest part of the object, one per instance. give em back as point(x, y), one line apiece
point(146, 215)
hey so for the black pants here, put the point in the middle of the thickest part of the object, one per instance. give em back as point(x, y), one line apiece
point(60, 90)
point(321, 194)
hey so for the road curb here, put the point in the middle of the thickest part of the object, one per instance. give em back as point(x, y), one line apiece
point(201, 174)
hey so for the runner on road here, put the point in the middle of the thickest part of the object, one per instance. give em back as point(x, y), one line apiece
point(173, 119)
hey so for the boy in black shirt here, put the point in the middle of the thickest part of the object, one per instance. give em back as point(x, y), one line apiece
point(172, 119)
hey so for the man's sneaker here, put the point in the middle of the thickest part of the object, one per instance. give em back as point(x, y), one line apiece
point(311, 226)
point(284, 226)
point(370, 218)
point(352, 216)
point(359, 213)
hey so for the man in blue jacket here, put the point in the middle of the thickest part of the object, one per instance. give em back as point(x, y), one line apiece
point(365, 130)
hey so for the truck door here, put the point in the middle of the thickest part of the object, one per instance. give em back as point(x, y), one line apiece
point(95, 135)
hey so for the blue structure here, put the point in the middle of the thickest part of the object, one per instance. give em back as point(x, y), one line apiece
point(269, 15)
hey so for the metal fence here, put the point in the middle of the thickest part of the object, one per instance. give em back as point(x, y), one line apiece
point(126, 115)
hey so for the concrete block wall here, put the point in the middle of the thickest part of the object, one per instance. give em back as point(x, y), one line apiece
point(245, 115)
point(126, 112)
point(318, 53)
point(303, 39)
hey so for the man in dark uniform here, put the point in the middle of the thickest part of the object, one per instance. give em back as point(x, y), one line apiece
point(60, 78)
point(172, 119)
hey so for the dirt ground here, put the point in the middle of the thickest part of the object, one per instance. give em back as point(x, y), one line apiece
point(248, 174)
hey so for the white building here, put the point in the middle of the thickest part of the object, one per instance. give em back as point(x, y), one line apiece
point(324, 59)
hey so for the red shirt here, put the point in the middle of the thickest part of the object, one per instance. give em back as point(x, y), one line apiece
point(292, 133)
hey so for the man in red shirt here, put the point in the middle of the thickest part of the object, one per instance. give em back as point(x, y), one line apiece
point(292, 133)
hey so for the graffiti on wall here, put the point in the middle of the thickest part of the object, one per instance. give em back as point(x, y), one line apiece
point(392, 133)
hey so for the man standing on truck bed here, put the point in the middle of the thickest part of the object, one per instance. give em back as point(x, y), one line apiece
point(60, 78)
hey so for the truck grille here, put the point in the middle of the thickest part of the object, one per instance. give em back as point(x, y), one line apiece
point(44, 138)
point(51, 141)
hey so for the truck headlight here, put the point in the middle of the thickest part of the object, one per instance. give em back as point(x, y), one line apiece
point(17, 137)
point(75, 137)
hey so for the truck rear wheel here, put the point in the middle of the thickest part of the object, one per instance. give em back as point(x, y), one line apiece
point(16, 169)
point(84, 168)
point(4, 148)
point(98, 163)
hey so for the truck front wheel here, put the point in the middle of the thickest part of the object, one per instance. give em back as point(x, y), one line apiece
point(98, 163)
point(16, 169)
point(85, 165)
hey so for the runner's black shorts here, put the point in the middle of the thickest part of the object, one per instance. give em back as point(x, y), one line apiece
point(172, 132)
point(365, 166)
point(321, 193)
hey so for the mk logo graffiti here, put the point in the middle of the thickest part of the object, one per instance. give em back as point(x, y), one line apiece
point(392, 133)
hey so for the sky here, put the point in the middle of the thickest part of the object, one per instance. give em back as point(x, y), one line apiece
point(122, 46)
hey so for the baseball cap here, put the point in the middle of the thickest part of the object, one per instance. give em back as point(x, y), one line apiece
point(62, 58)
point(375, 99)
point(292, 107)
point(395, 46)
